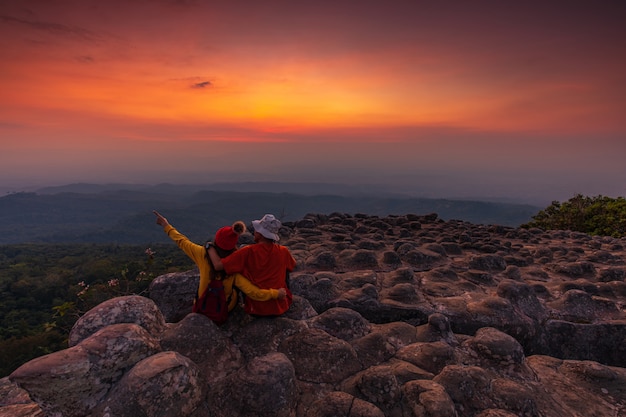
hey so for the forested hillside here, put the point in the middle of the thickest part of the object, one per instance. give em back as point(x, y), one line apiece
point(45, 288)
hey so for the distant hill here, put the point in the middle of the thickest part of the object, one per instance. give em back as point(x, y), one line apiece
point(308, 188)
point(86, 213)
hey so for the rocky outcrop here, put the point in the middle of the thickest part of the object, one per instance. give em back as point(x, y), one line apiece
point(396, 316)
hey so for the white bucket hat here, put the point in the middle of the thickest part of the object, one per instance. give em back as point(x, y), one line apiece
point(268, 226)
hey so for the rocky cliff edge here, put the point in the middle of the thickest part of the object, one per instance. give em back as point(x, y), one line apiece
point(396, 316)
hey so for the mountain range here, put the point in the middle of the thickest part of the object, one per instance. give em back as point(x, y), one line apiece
point(122, 213)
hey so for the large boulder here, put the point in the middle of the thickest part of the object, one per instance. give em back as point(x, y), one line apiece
point(164, 384)
point(72, 382)
point(174, 293)
point(129, 309)
point(201, 340)
point(266, 387)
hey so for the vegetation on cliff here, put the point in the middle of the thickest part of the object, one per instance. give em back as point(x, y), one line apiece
point(45, 288)
point(598, 215)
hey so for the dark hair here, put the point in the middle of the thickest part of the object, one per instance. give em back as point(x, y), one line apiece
point(222, 253)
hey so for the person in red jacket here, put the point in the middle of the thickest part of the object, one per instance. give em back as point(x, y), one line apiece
point(226, 240)
point(265, 263)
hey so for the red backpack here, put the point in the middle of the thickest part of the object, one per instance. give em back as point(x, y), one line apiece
point(213, 303)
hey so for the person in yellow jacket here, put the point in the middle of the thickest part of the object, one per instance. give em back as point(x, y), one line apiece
point(225, 241)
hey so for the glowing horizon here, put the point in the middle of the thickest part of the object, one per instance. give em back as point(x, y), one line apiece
point(82, 79)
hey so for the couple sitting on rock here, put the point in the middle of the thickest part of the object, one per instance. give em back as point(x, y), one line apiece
point(258, 270)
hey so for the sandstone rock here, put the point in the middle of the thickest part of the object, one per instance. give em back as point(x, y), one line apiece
point(129, 309)
point(318, 289)
point(319, 357)
point(199, 339)
point(523, 297)
point(488, 263)
point(165, 384)
point(323, 261)
point(300, 309)
point(378, 385)
point(72, 382)
point(342, 323)
point(262, 336)
point(430, 356)
point(341, 404)
point(612, 274)
point(467, 386)
point(574, 381)
point(422, 259)
point(266, 387)
point(425, 398)
point(398, 334)
point(401, 316)
point(499, 351)
point(602, 342)
point(437, 329)
point(15, 401)
point(580, 307)
point(174, 293)
point(373, 349)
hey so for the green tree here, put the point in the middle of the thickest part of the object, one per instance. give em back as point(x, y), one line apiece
point(45, 288)
point(598, 215)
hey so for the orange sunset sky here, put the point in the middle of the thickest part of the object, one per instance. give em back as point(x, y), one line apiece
point(515, 99)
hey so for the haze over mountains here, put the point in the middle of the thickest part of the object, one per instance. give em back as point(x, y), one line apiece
point(122, 213)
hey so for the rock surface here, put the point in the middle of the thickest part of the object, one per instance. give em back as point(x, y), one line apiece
point(397, 316)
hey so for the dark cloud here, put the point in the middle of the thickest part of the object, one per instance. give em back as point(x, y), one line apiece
point(53, 28)
point(203, 84)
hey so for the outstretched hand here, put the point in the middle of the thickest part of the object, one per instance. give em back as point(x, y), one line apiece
point(160, 220)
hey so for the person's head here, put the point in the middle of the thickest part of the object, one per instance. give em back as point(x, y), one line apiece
point(227, 237)
point(267, 227)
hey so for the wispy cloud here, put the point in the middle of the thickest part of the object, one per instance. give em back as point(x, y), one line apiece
point(203, 84)
point(53, 28)
point(85, 59)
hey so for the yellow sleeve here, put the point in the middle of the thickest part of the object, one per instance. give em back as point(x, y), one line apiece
point(253, 291)
point(196, 252)
point(193, 250)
